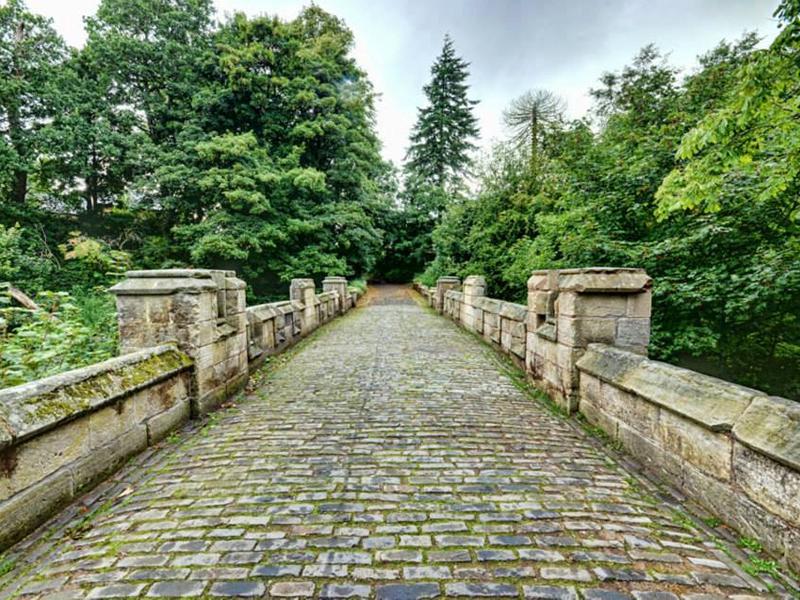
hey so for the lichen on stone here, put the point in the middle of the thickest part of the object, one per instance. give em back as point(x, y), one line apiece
point(80, 396)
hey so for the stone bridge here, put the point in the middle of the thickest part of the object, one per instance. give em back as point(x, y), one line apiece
point(394, 454)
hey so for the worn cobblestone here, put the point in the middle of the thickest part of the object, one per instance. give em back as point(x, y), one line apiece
point(391, 457)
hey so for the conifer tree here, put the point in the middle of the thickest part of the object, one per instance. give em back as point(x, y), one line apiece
point(441, 138)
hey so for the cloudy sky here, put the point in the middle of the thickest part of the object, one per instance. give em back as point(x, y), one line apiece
point(513, 45)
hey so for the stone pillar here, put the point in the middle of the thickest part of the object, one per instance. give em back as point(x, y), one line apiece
point(302, 290)
point(339, 285)
point(569, 309)
point(442, 285)
point(203, 311)
point(471, 314)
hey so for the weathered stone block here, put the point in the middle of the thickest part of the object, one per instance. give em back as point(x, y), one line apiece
point(636, 413)
point(591, 305)
point(603, 280)
point(771, 426)
point(640, 305)
point(708, 451)
point(104, 460)
point(30, 461)
point(580, 332)
point(160, 425)
point(24, 511)
point(109, 423)
point(767, 482)
point(633, 333)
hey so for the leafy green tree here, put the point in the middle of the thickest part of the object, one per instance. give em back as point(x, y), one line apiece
point(96, 146)
point(442, 137)
point(30, 55)
point(152, 50)
point(751, 144)
point(276, 173)
point(726, 280)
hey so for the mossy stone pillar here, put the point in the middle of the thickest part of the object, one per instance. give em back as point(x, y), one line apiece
point(203, 311)
point(568, 309)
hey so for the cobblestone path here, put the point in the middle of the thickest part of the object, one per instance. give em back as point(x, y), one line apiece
point(391, 457)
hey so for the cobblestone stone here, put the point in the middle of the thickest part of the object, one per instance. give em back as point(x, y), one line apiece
point(393, 457)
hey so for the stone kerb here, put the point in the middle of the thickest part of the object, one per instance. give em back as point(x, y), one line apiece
point(203, 311)
point(569, 309)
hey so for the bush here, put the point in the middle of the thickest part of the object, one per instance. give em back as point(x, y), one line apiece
point(66, 332)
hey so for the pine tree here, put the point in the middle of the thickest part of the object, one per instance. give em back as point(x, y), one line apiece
point(441, 138)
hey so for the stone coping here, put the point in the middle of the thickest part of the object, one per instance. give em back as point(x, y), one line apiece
point(713, 403)
point(771, 426)
point(594, 280)
point(33, 408)
point(153, 285)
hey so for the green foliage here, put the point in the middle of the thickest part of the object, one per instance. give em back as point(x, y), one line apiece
point(727, 280)
point(30, 54)
point(66, 332)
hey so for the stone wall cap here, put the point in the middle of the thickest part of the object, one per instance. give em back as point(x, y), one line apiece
point(448, 279)
point(35, 407)
point(771, 426)
point(713, 403)
point(176, 273)
point(262, 312)
point(234, 283)
point(491, 305)
point(475, 280)
point(600, 280)
point(161, 286)
point(304, 281)
point(515, 312)
point(335, 278)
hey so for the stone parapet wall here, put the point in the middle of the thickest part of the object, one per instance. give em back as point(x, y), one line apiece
point(188, 342)
point(583, 340)
point(502, 324)
point(273, 327)
point(734, 450)
point(62, 434)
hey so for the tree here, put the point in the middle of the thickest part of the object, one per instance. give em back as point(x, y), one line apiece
point(96, 147)
point(30, 55)
point(751, 144)
point(529, 118)
point(153, 51)
point(276, 172)
point(441, 138)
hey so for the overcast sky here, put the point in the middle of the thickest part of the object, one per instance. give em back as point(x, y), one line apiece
point(513, 45)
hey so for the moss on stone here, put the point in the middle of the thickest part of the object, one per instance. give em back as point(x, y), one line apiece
point(80, 396)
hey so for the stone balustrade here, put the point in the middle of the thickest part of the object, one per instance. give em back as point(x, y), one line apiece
point(583, 340)
point(188, 342)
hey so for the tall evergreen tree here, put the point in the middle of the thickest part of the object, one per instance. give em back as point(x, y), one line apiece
point(441, 138)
